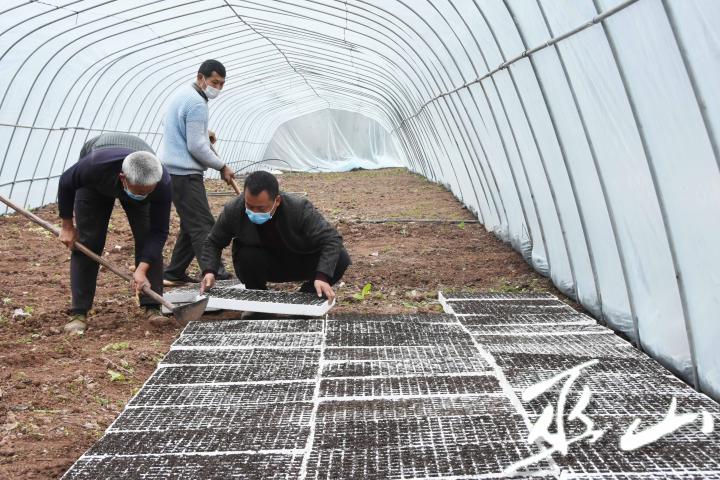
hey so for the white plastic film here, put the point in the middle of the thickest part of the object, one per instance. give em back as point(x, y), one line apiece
point(331, 140)
point(595, 155)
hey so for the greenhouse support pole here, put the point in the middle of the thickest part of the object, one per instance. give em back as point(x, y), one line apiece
point(661, 201)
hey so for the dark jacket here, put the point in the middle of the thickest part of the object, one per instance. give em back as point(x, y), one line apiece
point(303, 230)
point(100, 163)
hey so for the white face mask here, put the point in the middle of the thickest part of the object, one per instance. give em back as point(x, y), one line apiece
point(210, 92)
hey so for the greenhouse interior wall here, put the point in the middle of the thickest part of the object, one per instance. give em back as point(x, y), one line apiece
point(582, 132)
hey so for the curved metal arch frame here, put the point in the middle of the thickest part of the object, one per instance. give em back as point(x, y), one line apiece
point(564, 157)
point(454, 113)
point(669, 234)
point(24, 104)
point(396, 102)
point(411, 49)
point(87, 96)
point(501, 138)
point(603, 189)
point(402, 57)
point(473, 155)
point(506, 116)
point(94, 81)
point(541, 155)
point(525, 118)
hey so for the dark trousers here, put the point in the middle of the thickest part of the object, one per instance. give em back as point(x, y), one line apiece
point(92, 215)
point(196, 221)
point(255, 266)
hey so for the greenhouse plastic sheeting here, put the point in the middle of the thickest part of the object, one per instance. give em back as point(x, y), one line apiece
point(331, 141)
point(582, 132)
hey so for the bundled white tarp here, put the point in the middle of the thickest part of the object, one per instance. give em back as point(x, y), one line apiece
point(331, 141)
point(583, 132)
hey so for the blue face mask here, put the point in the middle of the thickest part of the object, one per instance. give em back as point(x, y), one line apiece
point(133, 196)
point(258, 218)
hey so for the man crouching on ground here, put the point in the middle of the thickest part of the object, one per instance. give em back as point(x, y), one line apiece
point(114, 165)
point(276, 237)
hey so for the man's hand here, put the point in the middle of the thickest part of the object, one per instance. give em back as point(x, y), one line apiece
point(227, 174)
point(140, 277)
point(207, 282)
point(324, 288)
point(212, 137)
point(68, 234)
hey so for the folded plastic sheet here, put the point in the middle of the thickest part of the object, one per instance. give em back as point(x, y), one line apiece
point(332, 141)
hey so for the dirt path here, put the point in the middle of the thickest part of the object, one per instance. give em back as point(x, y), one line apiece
point(56, 391)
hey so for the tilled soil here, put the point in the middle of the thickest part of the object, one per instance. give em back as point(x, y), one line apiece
point(58, 393)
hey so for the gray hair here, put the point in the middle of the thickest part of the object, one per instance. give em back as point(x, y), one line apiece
point(142, 168)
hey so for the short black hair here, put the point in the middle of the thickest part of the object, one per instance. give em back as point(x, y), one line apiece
point(210, 66)
point(260, 181)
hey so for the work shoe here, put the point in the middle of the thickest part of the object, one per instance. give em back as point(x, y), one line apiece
point(77, 324)
point(176, 282)
point(154, 317)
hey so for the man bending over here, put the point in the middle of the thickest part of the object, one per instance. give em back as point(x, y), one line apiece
point(114, 166)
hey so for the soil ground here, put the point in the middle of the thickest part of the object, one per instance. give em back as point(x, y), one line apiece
point(57, 392)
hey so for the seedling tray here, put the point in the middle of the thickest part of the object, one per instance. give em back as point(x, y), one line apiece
point(265, 301)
